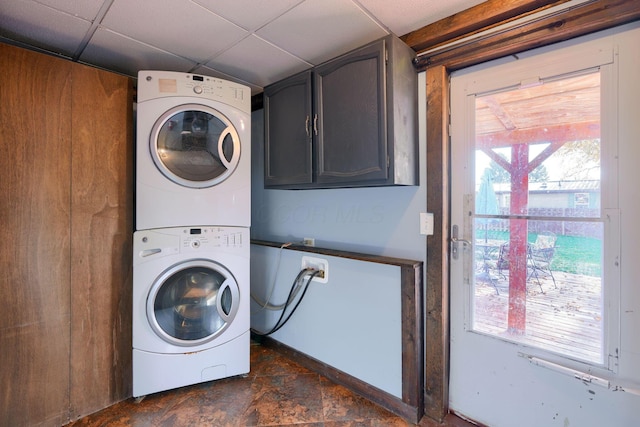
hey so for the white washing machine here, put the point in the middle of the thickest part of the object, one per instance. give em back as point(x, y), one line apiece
point(190, 306)
point(193, 155)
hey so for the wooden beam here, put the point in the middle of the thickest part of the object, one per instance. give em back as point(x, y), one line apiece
point(558, 133)
point(573, 22)
point(532, 165)
point(484, 16)
point(437, 274)
point(544, 155)
point(501, 161)
point(496, 108)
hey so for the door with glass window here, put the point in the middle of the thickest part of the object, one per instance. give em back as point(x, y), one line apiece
point(535, 249)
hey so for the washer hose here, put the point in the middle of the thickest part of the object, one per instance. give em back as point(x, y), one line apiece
point(294, 289)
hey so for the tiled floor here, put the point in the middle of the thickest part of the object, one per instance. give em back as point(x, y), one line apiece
point(277, 392)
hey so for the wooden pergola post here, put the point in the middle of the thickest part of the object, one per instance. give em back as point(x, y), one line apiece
point(518, 231)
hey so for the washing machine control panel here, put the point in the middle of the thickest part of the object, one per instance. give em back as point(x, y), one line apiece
point(213, 237)
point(151, 244)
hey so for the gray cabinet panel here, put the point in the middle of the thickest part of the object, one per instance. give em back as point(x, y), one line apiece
point(362, 129)
point(350, 103)
point(287, 131)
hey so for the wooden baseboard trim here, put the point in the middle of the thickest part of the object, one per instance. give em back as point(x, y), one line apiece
point(389, 402)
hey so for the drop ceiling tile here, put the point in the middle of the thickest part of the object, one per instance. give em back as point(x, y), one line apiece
point(319, 30)
point(258, 62)
point(116, 52)
point(402, 17)
point(41, 26)
point(179, 26)
point(86, 9)
point(249, 14)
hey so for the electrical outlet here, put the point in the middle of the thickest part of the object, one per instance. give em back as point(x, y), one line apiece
point(317, 264)
point(309, 241)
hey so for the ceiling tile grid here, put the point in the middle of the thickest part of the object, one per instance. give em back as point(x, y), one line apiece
point(404, 16)
point(318, 30)
point(85, 9)
point(177, 26)
point(41, 26)
point(254, 42)
point(258, 61)
point(249, 14)
point(113, 51)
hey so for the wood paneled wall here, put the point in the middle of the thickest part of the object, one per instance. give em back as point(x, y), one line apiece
point(66, 210)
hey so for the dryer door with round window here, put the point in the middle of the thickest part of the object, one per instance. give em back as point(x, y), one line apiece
point(195, 146)
point(193, 302)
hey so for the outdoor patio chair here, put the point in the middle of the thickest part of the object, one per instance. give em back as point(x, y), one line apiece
point(540, 256)
point(490, 262)
point(502, 263)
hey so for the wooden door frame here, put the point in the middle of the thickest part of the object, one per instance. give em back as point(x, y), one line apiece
point(438, 61)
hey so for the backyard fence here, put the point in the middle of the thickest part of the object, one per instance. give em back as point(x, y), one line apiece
point(576, 228)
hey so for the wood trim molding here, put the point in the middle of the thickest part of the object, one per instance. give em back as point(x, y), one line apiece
point(411, 405)
point(437, 271)
point(566, 24)
point(391, 403)
point(479, 18)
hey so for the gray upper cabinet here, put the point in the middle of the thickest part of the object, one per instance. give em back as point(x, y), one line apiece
point(288, 156)
point(350, 122)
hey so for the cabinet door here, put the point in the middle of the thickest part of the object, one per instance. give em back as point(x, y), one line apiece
point(350, 105)
point(287, 109)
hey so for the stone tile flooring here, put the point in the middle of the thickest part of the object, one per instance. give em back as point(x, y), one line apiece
point(277, 392)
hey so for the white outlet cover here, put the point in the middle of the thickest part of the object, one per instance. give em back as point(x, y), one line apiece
point(317, 263)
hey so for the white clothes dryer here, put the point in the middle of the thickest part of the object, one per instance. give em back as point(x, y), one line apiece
point(190, 306)
point(193, 151)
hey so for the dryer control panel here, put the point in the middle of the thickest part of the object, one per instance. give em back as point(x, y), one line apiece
point(159, 84)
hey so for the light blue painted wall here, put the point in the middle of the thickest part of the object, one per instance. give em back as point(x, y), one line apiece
point(351, 323)
point(378, 221)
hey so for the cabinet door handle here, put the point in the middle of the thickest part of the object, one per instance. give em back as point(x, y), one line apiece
point(306, 126)
point(315, 124)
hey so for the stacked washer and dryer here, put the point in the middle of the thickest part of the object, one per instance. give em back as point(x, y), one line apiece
point(191, 244)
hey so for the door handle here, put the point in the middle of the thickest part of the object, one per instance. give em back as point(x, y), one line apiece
point(455, 240)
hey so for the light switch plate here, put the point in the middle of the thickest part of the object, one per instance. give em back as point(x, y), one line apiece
point(426, 223)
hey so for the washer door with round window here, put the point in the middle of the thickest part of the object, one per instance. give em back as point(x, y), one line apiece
point(193, 302)
point(195, 146)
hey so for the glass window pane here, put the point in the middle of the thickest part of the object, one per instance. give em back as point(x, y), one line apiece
point(538, 224)
point(541, 146)
point(185, 306)
point(188, 145)
point(562, 309)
